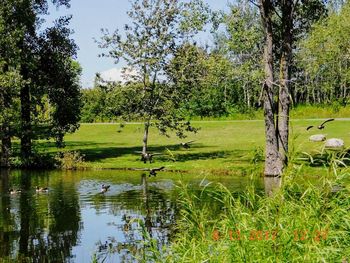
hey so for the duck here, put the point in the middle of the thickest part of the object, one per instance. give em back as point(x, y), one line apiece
point(41, 189)
point(104, 188)
point(14, 191)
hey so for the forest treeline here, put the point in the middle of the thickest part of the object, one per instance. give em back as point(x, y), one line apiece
point(225, 78)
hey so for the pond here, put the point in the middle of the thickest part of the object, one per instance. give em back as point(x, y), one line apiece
point(75, 222)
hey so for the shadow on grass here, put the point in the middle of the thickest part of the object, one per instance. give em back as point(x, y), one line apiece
point(95, 152)
point(209, 155)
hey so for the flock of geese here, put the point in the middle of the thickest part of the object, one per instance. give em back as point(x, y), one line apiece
point(104, 188)
point(145, 157)
point(148, 157)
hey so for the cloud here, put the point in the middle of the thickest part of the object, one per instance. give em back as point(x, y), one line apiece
point(118, 74)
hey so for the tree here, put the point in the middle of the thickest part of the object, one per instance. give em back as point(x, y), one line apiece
point(158, 29)
point(282, 24)
point(242, 43)
point(47, 73)
point(10, 82)
point(325, 56)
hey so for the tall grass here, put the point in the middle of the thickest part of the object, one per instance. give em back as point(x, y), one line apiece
point(297, 224)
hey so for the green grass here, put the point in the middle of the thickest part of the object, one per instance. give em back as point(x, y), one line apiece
point(219, 147)
point(321, 111)
point(296, 224)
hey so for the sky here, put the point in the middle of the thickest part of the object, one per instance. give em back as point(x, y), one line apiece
point(89, 17)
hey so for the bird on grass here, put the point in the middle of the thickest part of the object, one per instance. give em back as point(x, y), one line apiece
point(104, 188)
point(152, 171)
point(186, 145)
point(14, 191)
point(41, 189)
point(321, 126)
point(147, 156)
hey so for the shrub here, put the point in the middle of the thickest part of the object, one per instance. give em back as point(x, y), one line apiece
point(36, 161)
point(70, 160)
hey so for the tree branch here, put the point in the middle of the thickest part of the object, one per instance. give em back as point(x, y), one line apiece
point(253, 2)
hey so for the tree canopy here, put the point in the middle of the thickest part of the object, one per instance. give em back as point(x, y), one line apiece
point(40, 88)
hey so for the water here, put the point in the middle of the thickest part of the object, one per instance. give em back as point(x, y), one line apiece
point(74, 222)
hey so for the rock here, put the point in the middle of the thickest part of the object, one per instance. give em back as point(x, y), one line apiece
point(334, 143)
point(317, 138)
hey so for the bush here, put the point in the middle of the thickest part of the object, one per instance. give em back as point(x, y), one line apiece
point(70, 160)
point(36, 161)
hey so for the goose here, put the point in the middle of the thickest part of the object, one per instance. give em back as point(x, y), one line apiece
point(14, 191)
point(186, 145)
point(152, 171)
point(41, 189)
point(321, 126)
point(104, 188)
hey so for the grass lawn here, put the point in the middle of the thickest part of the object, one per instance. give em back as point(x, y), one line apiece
point(219, 147)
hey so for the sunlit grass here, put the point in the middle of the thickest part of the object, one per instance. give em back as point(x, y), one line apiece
point(220, 146)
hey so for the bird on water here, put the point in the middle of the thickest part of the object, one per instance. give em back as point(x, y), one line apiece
point(14, 191)
point(41, 189)
point(104, 188)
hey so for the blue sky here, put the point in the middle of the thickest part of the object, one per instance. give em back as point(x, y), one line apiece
point(89, 16)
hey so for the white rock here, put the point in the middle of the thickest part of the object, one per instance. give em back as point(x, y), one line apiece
point(334, 143)
point(317, 138)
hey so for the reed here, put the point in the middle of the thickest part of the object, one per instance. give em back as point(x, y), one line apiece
point(299, 223)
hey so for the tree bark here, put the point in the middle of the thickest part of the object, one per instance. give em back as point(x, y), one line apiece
point(26, 142)
point(284, 90)
point(273, 164)
point(145, 138)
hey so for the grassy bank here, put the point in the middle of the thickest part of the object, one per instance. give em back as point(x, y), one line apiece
point(297, 224)
point(219, 146)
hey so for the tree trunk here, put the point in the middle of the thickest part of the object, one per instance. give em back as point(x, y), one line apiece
point(145, 138)
point(26, 142)
point(273, 164)
point(5, 146)
point(60, 140)
point(272, 184)
point(284, 90)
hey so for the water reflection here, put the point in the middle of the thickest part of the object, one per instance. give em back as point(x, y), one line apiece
point(74, 222)
point(37, 227)
point(6, 220)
